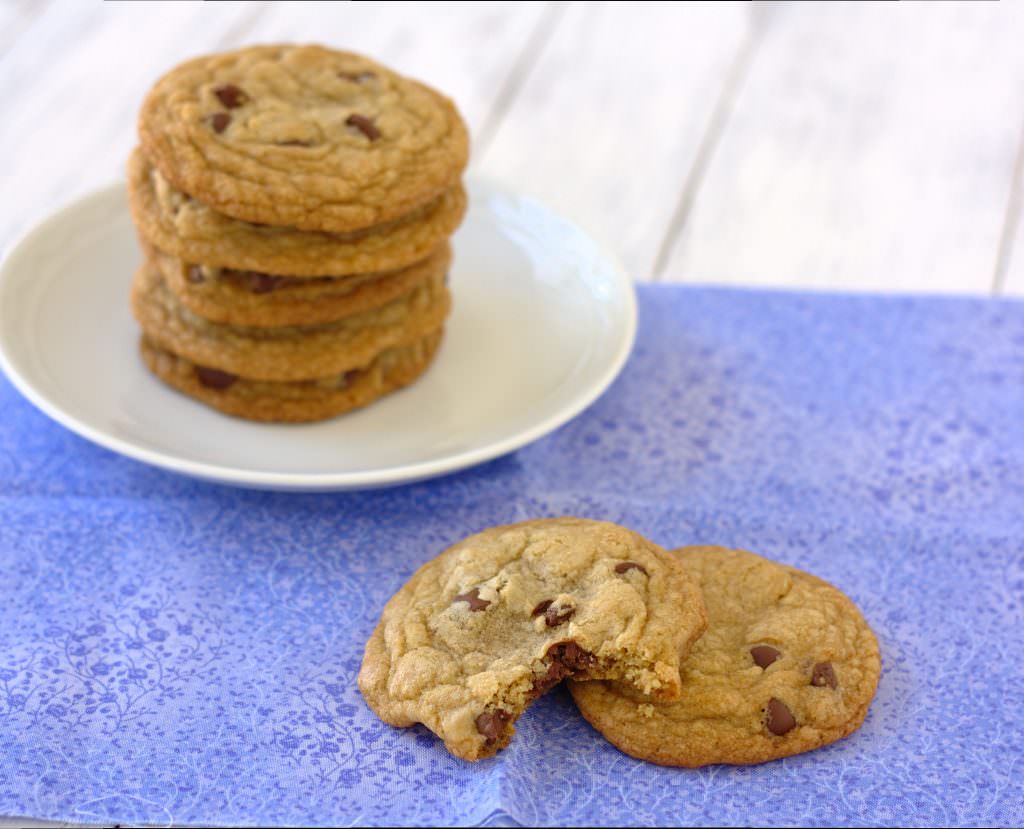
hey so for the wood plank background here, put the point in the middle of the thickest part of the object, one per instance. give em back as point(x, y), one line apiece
point(845, 146)
point(850, 146)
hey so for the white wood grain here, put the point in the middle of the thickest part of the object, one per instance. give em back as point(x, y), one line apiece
point(15, 17)
point(74, 81)
point(1014, 283)
point(609, 119)
point(1010, 268)
point(871, 147)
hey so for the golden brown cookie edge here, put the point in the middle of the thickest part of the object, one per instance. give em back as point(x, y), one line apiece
point(607, 711)
point(179, 373)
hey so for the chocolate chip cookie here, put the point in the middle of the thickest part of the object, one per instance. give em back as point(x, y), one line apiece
point(302, 136)
point(483, 629)
point(298, 401)
point(190, 230)
point(787, 664)
point(258, 299)
point(286, 353)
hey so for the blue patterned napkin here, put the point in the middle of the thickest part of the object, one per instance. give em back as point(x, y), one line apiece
point(174, 651)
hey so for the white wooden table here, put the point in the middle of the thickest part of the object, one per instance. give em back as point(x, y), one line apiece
point(836, 146)
point(841, 146)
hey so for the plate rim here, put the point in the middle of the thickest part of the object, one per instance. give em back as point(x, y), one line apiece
point(326, 481)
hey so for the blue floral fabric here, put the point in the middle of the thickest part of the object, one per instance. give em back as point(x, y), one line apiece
point(177, 651)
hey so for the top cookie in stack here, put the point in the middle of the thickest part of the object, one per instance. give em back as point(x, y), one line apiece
point(294, 204)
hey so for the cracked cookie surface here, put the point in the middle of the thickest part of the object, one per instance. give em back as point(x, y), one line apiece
point(190, 230)
point(302, 136)
point(787, 664)
point(494, 621)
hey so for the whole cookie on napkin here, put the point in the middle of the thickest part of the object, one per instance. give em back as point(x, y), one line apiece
point(483, 629)
point(787, 664)
point(302, 136)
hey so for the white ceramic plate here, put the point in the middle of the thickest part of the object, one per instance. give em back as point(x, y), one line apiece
point(543, 321)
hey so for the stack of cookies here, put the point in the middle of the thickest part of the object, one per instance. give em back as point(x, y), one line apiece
point(294, 206)
point(687, 658)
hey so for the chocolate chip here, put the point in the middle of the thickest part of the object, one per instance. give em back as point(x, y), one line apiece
point(540, 608)
point(364, 125)
point(262, 283)
point(824, 674)
point(780, 718)
point(492, 723)
point(554, 616)
point(254, 281)
point(626, 566)
point(230, 95)
point(565, 657)
point(220, 121)
point(556, 672)
point(357, 76)
point(764, 655)
point(214, 378)
point(571, 655)
point(473, 597)
point(195, 275)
